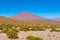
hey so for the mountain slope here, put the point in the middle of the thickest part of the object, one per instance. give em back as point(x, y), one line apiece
point(25, 16)
point(4, 19)
point(56, 19)
point(8, 20)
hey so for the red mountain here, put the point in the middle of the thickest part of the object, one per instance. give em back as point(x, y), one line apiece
point(26, 16)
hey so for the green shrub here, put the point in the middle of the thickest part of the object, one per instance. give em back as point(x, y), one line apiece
point(24, 28)
point(4, 30)
point(31, 37)
point(52, 29)
point(55, 30)
point(38, 38)
point(12, 34)
point(34, 38)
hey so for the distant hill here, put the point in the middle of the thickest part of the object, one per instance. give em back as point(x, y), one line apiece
point(26, 16)
point(56, 20)
point(9, 20)
point(6, 20)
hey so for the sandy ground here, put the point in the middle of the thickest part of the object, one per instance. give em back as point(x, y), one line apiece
point(43, 34)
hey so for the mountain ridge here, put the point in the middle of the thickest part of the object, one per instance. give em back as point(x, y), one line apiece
point(28, 16)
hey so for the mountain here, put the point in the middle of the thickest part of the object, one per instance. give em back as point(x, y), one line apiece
point(26, 16)
point(56, 19)
point(6, 20)
point(9, 20)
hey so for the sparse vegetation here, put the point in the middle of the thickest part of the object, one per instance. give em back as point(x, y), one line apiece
point(26, 27)
point(34, 38)
point(12, 34)
point(55, 30)
point(4, 30)
point(11, 30)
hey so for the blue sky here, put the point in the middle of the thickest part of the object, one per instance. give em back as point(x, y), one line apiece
point(44, 8)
